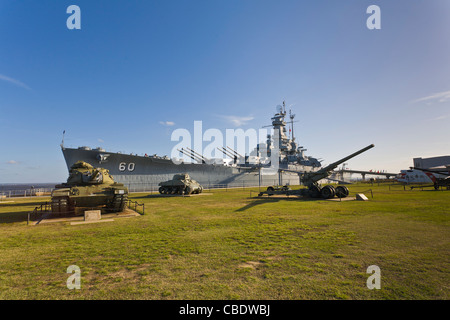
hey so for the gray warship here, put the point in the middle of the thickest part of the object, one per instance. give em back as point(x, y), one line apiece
point(144, 173)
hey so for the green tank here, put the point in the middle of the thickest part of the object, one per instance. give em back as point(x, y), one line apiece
point(89, 187)
point(180, 184)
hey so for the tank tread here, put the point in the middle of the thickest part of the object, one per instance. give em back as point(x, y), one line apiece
point(60, 205)
point(119, 202)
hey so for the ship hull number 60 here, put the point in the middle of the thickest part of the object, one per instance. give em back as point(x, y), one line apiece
point(123, 166)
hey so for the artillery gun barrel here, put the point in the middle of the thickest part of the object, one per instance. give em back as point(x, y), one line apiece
point(334, 165)
point(197, 154)
point(312, 177)
point(181, 151)
point(187, 154)
point(235, 152)
point(197, 158)
point(227, 153)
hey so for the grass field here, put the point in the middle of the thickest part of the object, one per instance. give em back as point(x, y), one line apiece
point(228, 245)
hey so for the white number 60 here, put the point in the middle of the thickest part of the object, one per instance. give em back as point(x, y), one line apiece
point(123, 166)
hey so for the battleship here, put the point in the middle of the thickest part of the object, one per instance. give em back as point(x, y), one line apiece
point(144, 173)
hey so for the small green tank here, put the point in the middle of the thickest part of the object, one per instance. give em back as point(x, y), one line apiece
point(180, 184)
point(89, 187)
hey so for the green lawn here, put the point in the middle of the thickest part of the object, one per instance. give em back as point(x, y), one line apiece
point(228, 245)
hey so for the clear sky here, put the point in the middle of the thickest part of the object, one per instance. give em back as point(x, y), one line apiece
point(137, 70)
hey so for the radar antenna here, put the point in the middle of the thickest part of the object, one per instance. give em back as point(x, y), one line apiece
point(292, 116)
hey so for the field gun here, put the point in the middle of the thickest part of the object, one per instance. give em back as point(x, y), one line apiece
point(311, 181)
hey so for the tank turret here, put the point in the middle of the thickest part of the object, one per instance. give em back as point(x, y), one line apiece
point(180, 184)
point(89, 187)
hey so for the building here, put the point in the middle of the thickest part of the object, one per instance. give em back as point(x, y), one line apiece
point(427, 163)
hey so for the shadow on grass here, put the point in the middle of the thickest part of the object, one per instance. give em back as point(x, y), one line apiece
point(21, 204)
point(259, 201)
point(12, 217)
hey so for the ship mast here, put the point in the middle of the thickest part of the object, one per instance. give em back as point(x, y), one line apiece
point(292, 116)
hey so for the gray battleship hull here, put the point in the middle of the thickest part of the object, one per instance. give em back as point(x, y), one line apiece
point(144, 173)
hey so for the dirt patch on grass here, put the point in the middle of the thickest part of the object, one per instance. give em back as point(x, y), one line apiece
point(250, 264)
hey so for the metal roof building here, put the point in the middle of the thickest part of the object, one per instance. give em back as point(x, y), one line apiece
point(427, 163)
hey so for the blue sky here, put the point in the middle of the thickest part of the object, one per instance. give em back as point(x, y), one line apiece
point(137, 70)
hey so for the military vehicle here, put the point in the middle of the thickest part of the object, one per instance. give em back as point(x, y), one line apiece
point(180, 184)
point(88, 187)
point(311, 181)
point(271, 189)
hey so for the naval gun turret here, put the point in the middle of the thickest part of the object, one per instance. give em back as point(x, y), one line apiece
point(311, 181)
point(89, 187)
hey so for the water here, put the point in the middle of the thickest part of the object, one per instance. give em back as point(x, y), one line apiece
point(25, 189)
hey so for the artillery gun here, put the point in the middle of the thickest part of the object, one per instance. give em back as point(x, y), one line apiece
point(311, 181)
point(89, 187)
point(180, 184)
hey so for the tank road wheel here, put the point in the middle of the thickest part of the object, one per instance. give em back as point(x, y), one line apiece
point(60, 205)
point(188, 190)
point(328, 192)
point(161, 190)
point(314, 191)
point(342, 192)
point(270, 191)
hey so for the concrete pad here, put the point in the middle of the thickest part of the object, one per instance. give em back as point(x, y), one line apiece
point(88, 222)
point(343, 199)
point(127, 213)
